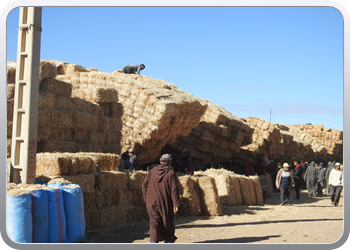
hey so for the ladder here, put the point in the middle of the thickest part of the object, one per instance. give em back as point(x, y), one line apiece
point(25, 115)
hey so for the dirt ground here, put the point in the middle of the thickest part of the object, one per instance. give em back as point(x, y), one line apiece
point(308, 220)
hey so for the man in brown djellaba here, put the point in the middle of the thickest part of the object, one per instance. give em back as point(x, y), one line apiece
point(160, 192)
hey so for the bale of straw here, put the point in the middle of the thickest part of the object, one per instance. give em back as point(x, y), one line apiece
point(105, 95)
point(111, 180)
point(104, 161)
point(55, 87)
point(47, 70)
point(189, 198)
point(134, 187)
point(85, 121)
point(248, 192)
point(54, 164)
point(208, 194)
point(257, 188)
point(224, 185)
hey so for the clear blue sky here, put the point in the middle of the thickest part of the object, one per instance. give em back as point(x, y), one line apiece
point(248, 60)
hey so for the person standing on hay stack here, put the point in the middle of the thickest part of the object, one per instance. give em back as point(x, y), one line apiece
point(161, 194)
point(133, 68)
point(297, 175)
point(311, 177)
point(284, 182)
point(187, 162)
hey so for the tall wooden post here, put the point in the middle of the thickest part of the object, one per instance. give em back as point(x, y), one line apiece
point(25, 115)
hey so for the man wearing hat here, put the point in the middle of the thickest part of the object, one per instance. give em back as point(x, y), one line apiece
point(160, 192)
point(284, 183)
point(335, 184)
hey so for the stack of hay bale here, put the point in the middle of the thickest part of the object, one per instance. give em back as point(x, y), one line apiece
point(153, 113)
point(219, 134)
point(206, 192)
point(331, 139)
point(111, 195)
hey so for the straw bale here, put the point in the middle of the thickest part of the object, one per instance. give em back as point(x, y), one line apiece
point(257, 188)
point(133, 190)
point(85, 121)
point(105, 95)
point(104, 162)
point(189, 197)
point(248, 192)
point(237, 189)
point(55, 119)
point(47, 69)
point(208, 194)
point(55, 87)
point(53, 164)
point(84, 106)
point(223, 181)
point(69, 68)
point(111, 180)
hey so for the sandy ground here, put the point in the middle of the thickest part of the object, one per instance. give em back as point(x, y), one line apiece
point(308, 220)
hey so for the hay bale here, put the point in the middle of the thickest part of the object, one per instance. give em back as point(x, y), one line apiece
point(134, 188)
point(111, 180)
point(55, 87)
point(257, 188)
point(85, 121)
point(47, 69)
point(224, 185)
point(54, 164)
point(237, 189)
point(189, 198)
point(248, 192)
point(208, 194)
point(104, 161)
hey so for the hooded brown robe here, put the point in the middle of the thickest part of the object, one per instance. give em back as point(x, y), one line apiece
point(160, 192)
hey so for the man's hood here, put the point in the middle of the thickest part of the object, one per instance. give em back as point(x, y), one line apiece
point(161, 171)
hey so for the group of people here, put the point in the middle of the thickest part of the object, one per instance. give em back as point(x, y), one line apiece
point(316, 177)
